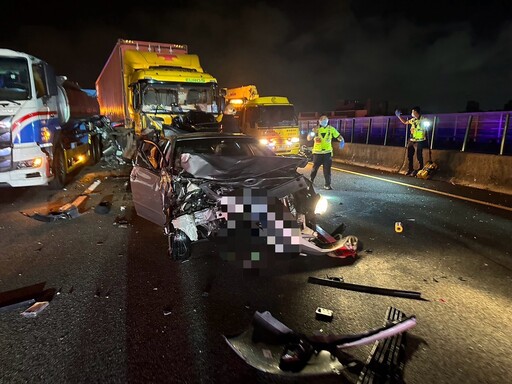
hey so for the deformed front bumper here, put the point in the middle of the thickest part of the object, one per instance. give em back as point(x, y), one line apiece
point(319, 242)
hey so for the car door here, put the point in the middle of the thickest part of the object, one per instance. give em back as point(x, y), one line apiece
point(146, 183)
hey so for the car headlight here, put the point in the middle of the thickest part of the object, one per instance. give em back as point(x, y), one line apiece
point(321, 205)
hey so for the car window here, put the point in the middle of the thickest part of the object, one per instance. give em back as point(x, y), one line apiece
point(149, 155)
point(259, 149)
point(231, 146)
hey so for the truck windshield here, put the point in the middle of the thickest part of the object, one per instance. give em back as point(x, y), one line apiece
point(178, 97)
point(272, 116)
point(14, 79)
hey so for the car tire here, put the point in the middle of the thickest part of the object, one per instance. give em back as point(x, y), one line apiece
point(180, 246)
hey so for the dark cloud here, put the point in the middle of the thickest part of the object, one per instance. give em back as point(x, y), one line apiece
point(435, 54)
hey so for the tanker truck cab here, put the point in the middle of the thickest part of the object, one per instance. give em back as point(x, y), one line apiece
point(33, 109)
point(273, 121)
point(27, 118)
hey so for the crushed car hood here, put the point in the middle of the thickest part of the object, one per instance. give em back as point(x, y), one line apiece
point(222, 168)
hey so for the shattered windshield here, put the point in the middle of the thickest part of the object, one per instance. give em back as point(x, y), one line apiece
point(223, 146)
point(230, 159)
point(272, 116)
point(14, 79)
point(178, 97)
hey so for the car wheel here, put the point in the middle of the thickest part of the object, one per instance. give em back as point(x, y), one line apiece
point(180, 246)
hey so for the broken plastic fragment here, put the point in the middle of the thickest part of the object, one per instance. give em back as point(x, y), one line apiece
point(35, 309)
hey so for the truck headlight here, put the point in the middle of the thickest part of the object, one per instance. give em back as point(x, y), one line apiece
point(36, 162)
point(321, 205)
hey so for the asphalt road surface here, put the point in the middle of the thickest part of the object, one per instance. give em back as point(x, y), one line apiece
point(121, 312)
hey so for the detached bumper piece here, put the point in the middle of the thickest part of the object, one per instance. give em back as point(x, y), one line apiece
point(385, 363)
point(270, 346)
point(51, 217)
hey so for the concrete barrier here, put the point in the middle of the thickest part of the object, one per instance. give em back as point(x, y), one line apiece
point(490, 172)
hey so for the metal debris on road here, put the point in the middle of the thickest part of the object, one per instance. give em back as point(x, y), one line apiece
point(366, 288)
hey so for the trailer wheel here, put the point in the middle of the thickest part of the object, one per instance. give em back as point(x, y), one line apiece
point(59, 170)
point(97, 150)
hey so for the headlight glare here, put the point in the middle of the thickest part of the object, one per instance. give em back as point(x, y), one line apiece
point(321, 205)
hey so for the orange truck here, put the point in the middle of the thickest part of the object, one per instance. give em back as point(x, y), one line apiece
point(272, 119)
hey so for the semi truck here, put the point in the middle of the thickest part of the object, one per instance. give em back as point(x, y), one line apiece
point(156, 86)
point(49, 126)
point(272, 119)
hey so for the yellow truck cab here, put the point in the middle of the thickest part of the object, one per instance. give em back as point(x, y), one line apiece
point(272, 119)
point(149, 84)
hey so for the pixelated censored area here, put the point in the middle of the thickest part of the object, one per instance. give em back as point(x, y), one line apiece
point(259, 230)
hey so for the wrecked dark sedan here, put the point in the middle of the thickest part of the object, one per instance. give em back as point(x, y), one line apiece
point(232, 190)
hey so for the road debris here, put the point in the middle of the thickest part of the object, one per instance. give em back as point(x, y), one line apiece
point(35, 309)
point(103, 207)
point(120, 222)
point(271, 347)
point(20, 304)
point(385, 363)
point(167, 311)
point(67, 211)
point(323, 314)
point(366, 288)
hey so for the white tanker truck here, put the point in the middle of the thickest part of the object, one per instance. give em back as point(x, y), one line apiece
point(49, 126)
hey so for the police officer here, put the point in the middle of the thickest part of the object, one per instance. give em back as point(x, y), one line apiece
point(418, 139)
point(323, 135)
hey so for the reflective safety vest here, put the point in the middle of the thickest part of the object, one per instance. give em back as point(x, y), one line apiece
point(418, 129)
point(323, 138)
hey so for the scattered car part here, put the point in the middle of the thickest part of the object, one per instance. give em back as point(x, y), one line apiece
point(323, 314)
point(270, 346)
point(68, 210)
point(20, 304)
point(103, 207)
point(385, 362)
point(35, 309)
point(366, 288)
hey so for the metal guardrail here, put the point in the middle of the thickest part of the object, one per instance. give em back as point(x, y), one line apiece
point(479, 132)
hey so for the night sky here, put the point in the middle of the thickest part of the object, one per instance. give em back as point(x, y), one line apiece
point(436, 54)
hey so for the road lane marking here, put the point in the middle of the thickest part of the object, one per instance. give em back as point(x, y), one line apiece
point(427, 189)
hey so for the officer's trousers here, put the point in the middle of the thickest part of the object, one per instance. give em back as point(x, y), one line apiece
point(324, 160)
